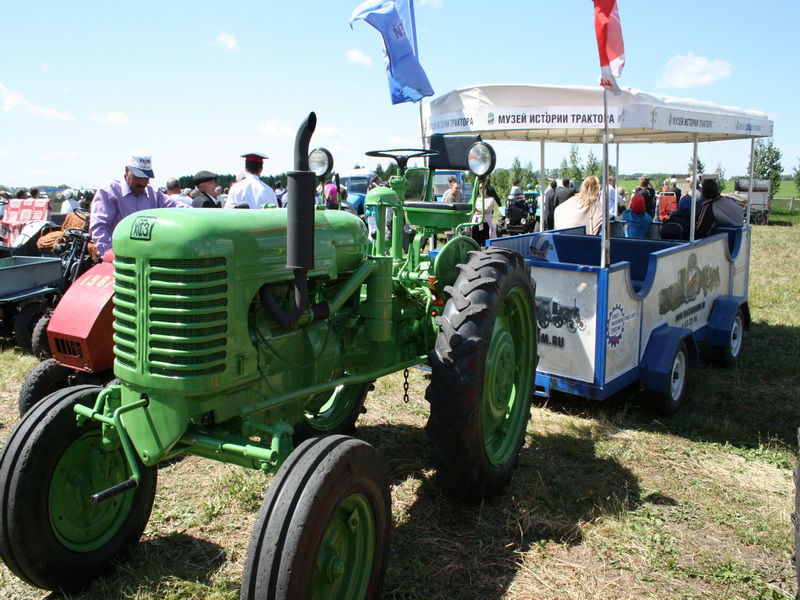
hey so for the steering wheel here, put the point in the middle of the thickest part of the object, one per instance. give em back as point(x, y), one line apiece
point(79, 234)
point(81, 212)
point(402, 155)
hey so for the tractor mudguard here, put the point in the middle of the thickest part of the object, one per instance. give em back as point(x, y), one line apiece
point(656, 365)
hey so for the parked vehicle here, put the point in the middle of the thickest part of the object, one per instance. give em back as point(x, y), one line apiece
point(518, 215)
point(26, 284)
point(252, 338)
point(74, 250)
point(759, 198)
point(357, 181)
point(641, 319)
point(31, 286)
point(21, 225)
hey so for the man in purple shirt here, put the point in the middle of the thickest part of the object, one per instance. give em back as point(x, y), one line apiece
point(118, 199)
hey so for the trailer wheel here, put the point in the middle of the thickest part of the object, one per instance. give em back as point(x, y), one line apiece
point(51, 536)
point(483, 367)
point(334, 412)
point(323, 528)
point(669, 400)
point(727, 356)
point(44, 379)
point(24, 323)
point(40, 345)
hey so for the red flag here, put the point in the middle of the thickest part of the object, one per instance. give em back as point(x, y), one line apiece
point(609, 43)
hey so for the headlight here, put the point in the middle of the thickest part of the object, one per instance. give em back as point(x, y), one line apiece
point(320, 161)
point(481, 158)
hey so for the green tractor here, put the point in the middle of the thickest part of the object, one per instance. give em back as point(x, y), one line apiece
point(253, 338)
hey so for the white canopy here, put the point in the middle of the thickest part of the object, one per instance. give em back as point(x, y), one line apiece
point(574, 114)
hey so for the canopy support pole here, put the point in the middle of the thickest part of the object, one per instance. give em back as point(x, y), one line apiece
point(422, 133)
point(693, 184)
point(605, 253)
point(542, 187)
point(752, 178)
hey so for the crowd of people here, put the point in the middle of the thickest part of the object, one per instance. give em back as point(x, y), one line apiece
point(563, 205)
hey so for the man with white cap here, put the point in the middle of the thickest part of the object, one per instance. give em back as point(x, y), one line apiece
point(120, 198)
point(251, 190)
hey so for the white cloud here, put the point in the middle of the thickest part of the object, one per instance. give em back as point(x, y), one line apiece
point(693, 71)
point(276, 128)
point(403, 142)
point(329, 132)
point(112, 118)
point(45, 67)
point(16, 102)
point(5, 154)
point(227, 41)
point(357, 57)
point(60, 155)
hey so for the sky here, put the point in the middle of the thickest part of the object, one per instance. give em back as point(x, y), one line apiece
point(199, 83)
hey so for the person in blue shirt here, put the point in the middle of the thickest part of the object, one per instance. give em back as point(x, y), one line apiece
point(637, 221)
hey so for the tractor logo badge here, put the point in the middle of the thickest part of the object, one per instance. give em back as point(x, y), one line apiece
point(616, 324)
point(142, 228)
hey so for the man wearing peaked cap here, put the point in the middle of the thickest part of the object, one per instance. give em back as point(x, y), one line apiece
point(251, 190)
point(120, 198)
point(205, 183)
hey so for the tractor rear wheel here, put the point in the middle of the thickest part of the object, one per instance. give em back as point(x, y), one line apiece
point(44, 379)
point(24, 323)
point(483, 367)
point(40, 345)
point(323, 529)
point(332, 413)
point(51, 535)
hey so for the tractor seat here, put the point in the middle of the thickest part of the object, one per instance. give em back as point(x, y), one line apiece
point(440, 205)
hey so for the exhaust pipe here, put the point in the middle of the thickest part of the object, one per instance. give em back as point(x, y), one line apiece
point(299, 232)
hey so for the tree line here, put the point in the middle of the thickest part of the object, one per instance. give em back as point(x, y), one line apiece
point(766, 165)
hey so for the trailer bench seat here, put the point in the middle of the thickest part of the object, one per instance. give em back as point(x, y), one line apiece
point(734, 238)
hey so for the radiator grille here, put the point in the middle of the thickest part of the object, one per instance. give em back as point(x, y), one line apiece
point(171, 315)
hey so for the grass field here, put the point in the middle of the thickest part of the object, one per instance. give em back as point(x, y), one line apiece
point(609, 501)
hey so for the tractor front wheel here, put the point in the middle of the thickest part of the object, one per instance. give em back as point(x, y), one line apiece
point(323, 528)
point(482, 374)
point(51, 535)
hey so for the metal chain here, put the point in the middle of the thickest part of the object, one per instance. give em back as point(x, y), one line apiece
point(405, 386)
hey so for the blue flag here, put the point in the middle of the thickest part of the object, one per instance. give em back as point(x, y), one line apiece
point(407, 79)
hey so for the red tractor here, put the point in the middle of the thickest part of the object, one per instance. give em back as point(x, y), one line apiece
point(80, 334)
